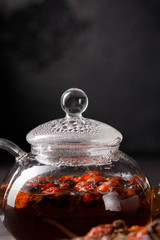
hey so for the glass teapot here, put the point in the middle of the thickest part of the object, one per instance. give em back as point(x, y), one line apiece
point(74, 178)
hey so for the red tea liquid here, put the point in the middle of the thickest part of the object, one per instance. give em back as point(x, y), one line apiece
point(66, 207)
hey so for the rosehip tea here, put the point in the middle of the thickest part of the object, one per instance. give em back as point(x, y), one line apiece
point(68, 206)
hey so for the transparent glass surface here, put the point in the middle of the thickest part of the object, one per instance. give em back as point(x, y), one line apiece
point(74, 178)
point(68, 198)
point(74, 128)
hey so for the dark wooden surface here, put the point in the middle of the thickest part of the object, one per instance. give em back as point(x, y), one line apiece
point(151, 166)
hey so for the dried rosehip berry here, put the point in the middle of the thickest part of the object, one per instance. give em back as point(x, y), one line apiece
point(104, 187)
point(99, 232)
point(95, 179)
point(88, 175)
point(51, 190)
point(48, 185)
point(66, 178)
point(22, 199)
point(114, 182)
point(76, 179)
point(64, 185)
point(84, 187)
point(135, 228)
point(141, 234)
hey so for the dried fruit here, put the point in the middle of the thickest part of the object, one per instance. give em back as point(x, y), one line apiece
point(119, 231)
point(66, 178)
point(99, 232)
point(64, 185)
point(103, 188)
point(51, 190)
point(23, 199)
point(114, 182)
point(84, 187)
point(48, 185)
point(89, 175)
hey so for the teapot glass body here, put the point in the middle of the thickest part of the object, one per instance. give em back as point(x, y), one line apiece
point(67, 198)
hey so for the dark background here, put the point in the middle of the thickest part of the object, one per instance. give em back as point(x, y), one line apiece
point(108, 48)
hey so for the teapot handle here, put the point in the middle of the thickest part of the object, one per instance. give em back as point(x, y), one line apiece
point(12, 148)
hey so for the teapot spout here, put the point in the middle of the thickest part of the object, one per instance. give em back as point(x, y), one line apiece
point(12, 148)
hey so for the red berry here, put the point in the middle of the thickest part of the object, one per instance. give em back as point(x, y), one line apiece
point(99, 232)
point(96, 179)
point(48, 185)
point(66, 178)
point(84, 187)
point(64, 185)
point(51, 190)
point(104, 187)
point(22, 199)
point(114, 182)
point(89, 174)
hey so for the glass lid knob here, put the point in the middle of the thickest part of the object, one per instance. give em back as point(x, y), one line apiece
point(74, 102)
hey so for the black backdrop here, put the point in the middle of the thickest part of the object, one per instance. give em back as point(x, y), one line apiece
point(109, 48)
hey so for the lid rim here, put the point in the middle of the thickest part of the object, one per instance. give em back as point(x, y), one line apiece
point(53, 147)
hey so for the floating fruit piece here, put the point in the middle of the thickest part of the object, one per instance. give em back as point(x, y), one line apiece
point(104, 187)
point(88, 175)
point(84, 187)
point(99, 232)
point(135, 228)
point(22, 199)
point(66, 178)
point(118, 230)
point(114, 182)
point(48, 185)
point(140, 234)
point(51, 190)
point(64, 185)
point(95, 179)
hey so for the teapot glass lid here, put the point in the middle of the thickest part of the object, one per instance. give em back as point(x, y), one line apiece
point(74, 129)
